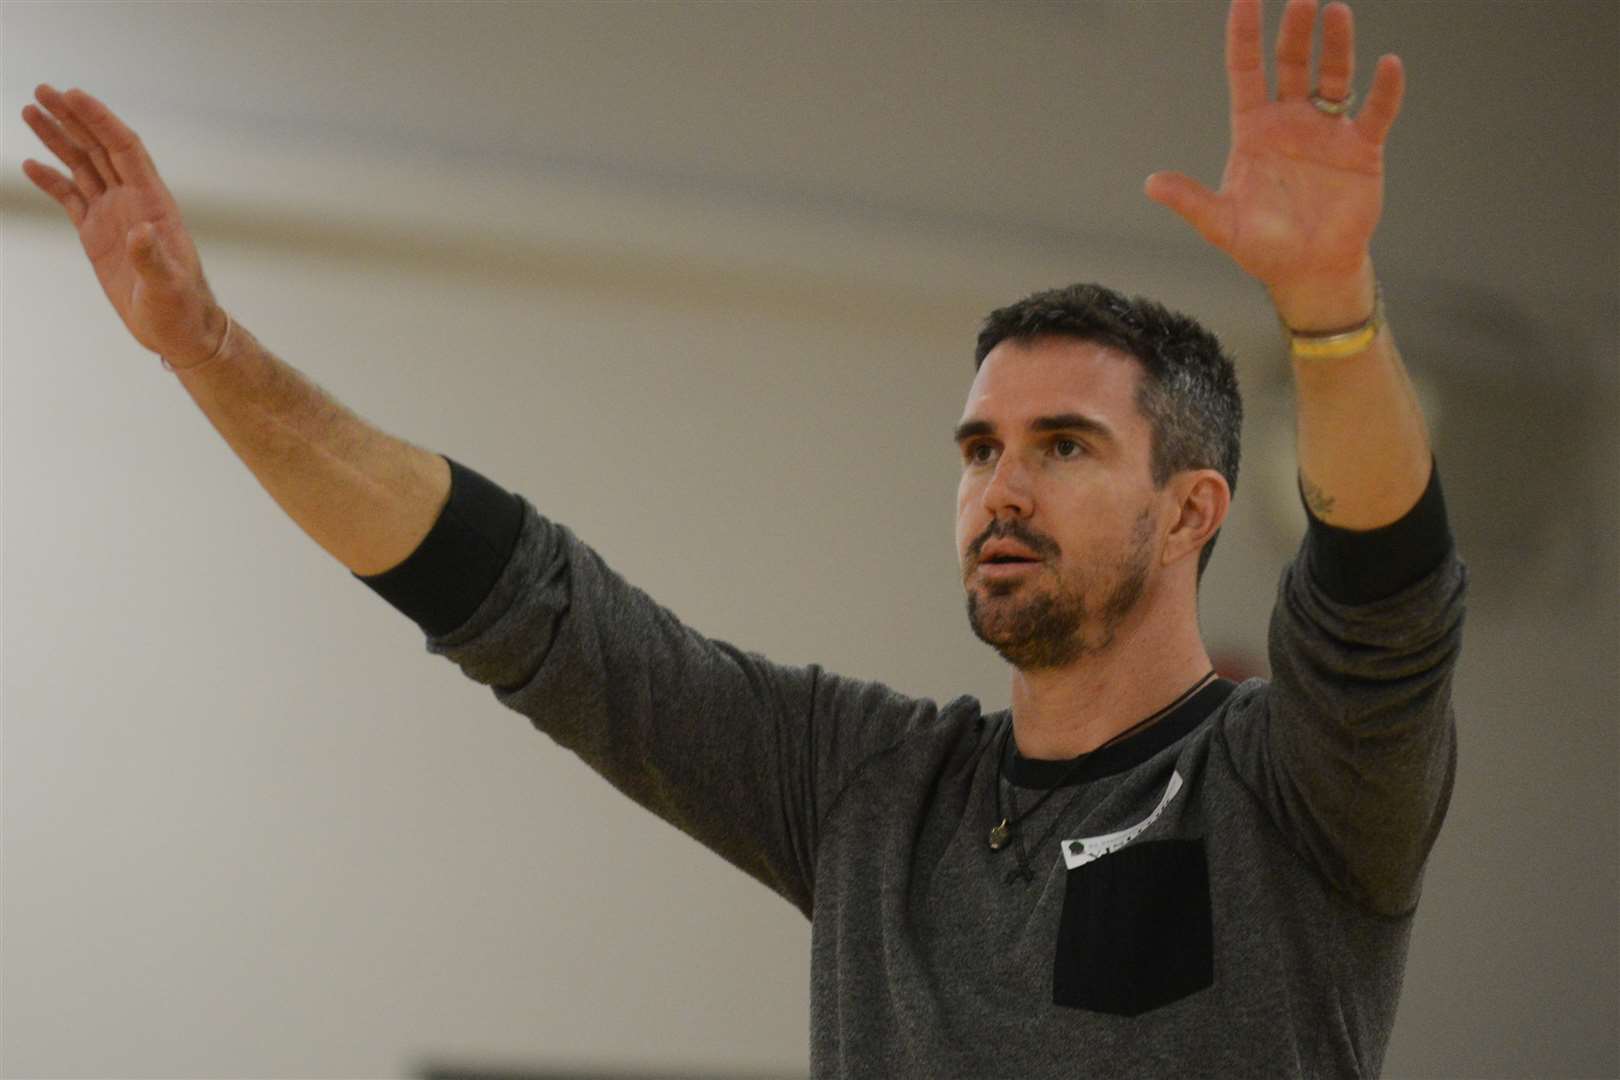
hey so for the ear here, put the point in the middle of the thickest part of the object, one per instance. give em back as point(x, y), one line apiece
point(1199, 501)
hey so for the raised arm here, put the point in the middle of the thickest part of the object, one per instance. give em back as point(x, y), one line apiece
point(1354, 750)
point(1298, 203)
point(367, 498)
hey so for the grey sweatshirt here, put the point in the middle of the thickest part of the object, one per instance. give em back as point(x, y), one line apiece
point(1228, 892)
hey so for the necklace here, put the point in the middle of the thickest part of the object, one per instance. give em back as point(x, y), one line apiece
point(1004, 830)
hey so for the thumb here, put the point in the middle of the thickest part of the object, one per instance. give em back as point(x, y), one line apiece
point(147, 254)
point(1197, 205)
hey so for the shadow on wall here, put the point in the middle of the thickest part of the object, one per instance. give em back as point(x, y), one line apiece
point(1525, 437)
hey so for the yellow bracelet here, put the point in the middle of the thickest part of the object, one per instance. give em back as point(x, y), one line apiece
point(1339, 344)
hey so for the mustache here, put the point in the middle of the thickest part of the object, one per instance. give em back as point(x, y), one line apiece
point(1014, 530)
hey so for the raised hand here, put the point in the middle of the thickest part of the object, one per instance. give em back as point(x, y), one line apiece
point(1303, 189)
point(129, 225)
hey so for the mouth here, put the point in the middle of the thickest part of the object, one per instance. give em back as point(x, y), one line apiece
point(1004, 566)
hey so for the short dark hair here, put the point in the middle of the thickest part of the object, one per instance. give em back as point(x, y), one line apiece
point(1189, 394)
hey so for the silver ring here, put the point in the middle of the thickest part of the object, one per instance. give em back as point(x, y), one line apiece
point(1332, 107)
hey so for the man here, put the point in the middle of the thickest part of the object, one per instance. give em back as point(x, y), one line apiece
point(1138, 869)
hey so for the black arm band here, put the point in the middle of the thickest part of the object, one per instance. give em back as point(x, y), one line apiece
point(1360, 566)
point(442, 582)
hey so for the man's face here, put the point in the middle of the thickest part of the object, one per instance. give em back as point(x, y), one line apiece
point(1055, 470)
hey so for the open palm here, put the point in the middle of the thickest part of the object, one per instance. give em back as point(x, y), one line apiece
point(1303, 190)
point(128, 222)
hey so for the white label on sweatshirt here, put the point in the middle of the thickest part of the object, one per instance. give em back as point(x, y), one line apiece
point(1084, 849)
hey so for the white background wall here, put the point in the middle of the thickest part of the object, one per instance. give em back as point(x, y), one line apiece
point(251, 829)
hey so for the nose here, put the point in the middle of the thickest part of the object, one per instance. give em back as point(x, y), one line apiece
point(1008, 492)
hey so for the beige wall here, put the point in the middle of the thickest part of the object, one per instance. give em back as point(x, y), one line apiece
point(252, 828)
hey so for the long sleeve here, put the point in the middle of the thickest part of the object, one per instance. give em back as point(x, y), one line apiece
point(1355, 754)
point(743, 754)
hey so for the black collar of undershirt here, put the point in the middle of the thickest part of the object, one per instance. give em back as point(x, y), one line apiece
point(1126, 754)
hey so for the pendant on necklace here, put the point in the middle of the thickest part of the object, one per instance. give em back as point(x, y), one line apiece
point(999, 835)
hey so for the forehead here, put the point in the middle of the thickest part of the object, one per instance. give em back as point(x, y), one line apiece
point(1019, 381)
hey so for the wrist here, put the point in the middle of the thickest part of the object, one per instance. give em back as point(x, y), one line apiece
point(1339, 344)
point(1327, 304)
point(221, 336)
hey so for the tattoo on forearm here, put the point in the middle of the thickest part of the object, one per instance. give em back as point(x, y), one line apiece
point(1320, 502)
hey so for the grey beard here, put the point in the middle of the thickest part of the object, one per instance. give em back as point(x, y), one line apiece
point(1047, 631)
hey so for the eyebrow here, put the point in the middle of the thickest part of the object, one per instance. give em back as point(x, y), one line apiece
point(969, 429)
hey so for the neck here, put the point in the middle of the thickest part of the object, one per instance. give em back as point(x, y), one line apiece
point(1065, 712)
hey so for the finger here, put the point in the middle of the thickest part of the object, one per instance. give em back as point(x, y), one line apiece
point(1245, 59)
point(1338, 64)
point(124, 147)
point(63, 112)
point(92, 144)
point(1383, 100)
point(1294, 50)
point(1197, 205)
point(57, 187)
point(66, 150)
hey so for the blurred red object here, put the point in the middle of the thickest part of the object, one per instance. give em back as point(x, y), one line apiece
point(1239, 664)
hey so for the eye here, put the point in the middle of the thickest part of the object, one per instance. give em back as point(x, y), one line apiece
point(973, 456)
point(1068, 448)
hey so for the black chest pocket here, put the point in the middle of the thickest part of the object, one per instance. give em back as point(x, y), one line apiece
point(1136, 931)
